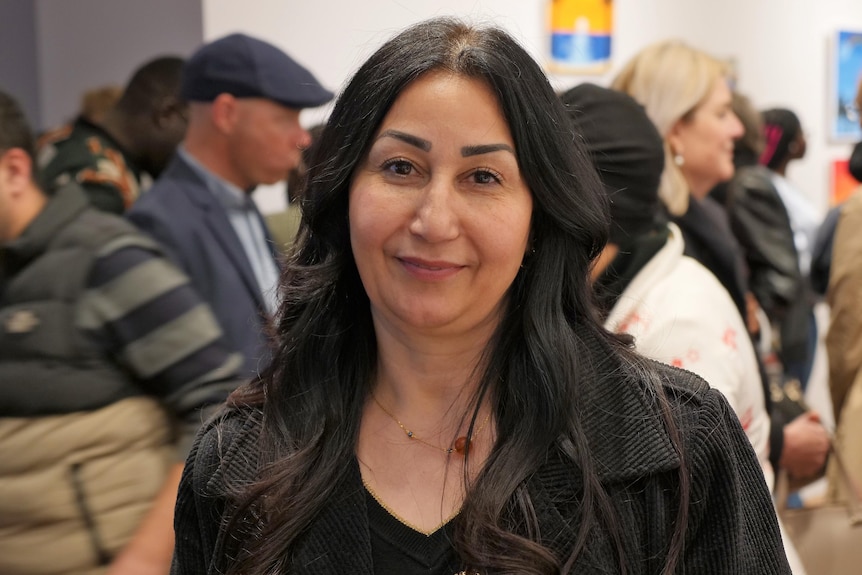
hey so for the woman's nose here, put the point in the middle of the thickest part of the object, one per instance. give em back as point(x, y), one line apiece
point(436, 217)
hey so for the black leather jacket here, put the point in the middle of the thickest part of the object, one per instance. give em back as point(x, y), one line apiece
point(760, 223)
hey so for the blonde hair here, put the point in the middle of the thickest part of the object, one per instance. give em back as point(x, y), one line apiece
point(670, 79)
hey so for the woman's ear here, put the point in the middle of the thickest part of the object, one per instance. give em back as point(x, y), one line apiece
point(674, 138)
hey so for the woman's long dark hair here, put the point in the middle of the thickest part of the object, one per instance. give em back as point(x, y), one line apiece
point(313, 394)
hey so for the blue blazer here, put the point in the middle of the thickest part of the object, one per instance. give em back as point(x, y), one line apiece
point(182, 214)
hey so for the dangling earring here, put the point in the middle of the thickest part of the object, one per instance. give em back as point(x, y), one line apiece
point(678, 160)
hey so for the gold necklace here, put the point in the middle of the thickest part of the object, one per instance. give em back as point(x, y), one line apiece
point(458, 446)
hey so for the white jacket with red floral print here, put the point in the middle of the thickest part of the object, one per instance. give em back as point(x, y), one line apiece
point(680, 314)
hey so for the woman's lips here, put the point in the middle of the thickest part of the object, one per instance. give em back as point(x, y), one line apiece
point(429, 270)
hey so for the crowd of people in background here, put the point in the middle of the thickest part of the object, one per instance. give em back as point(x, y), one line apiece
point(456, 351)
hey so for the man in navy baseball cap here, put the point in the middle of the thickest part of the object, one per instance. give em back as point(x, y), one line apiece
point(245, 97)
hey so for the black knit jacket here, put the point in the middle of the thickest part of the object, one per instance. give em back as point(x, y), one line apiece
point(732, 527)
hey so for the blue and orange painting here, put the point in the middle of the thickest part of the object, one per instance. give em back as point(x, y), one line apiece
point(581, 32)
point(848, 64)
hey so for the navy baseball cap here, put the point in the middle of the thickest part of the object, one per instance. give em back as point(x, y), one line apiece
point(246, 67)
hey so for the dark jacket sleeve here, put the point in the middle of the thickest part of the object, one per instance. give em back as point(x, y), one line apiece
point(155, 325)
point(199, 509)
point(189, 556)
point(224, 453)
point(761, 225)
point(733, 527)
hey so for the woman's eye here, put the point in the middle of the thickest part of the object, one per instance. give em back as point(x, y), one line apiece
point(399, 167)
point(485, 177)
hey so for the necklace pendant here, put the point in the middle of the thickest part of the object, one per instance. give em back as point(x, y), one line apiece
point(461, 444)
point(410, 434)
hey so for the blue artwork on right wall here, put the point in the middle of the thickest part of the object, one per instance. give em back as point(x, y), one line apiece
point(848, 72)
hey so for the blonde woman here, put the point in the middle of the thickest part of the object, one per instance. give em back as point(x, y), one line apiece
point(686, 95)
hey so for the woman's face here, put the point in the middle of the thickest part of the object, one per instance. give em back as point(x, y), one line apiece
point(705, 141)
point(439, 213)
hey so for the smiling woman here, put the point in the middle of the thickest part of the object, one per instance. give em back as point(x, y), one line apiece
point(426, 208)
point(444, 399)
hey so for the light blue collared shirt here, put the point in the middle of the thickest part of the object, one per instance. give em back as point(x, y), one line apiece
point(246, 222)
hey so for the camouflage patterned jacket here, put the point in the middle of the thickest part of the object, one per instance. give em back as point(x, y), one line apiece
point(85, 153)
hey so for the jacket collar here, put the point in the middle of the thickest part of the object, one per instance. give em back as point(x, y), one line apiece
point(62, 207)
point(622, 419)
point(216, 220)
point(194, 186)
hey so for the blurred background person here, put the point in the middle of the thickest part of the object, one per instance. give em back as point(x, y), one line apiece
point(284, 225)
point(109, 362)
point(647, 287)
point(844, 338)
point(855, 164)
point(96, 103)
point(748, 147)
point(762, 226)
point(821, 259)
point(245, 97)
point(785, 143)
point(138, 135)
point(685, 93)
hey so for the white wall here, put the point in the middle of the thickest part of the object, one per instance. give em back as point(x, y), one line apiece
point(780, 46)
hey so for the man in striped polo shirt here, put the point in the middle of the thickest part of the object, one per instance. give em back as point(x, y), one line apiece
point(109, 361)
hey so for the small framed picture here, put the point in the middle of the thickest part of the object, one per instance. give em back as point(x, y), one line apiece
point(580, 33)
point(846, 74)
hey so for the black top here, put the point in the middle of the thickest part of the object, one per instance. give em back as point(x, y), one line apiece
point(709, 240)
point(397, 548)
point(731, 527)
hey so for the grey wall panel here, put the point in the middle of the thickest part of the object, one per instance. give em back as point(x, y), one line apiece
point(19, 74)
point(90, 43)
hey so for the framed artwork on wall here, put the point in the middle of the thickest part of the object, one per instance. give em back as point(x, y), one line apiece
point(843, 184)
point(580, 33)
point(846, 73)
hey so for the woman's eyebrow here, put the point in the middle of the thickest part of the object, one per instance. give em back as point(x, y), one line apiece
point(485, 149)
point(425, 145)
point(415, 141)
